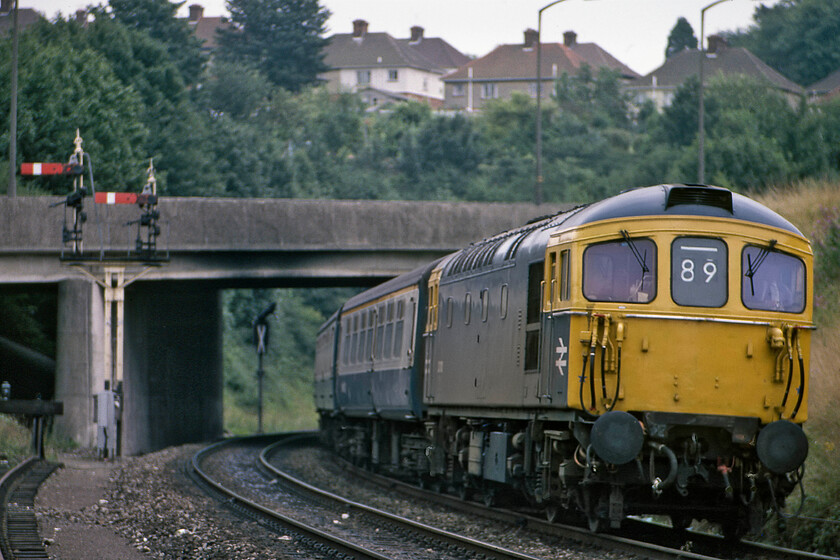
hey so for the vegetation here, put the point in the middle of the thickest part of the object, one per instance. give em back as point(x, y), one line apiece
point(290, 59)
point(799, 38)
point(681, 38)
point(815, 207)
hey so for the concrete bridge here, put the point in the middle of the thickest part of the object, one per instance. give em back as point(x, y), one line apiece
point(172, 362)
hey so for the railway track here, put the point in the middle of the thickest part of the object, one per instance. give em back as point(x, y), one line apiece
point(374, 534)
point(638, 538)
point(19, 536)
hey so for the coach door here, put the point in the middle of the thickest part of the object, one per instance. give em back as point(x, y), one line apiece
point(429, 334)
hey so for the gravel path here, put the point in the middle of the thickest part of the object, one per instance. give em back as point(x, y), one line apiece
point(146, 507)
point(149, 509)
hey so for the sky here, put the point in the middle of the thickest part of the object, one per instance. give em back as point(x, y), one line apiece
point(634, 31)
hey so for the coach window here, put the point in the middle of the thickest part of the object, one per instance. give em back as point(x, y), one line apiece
point(772, 280)
point(622, 271)
point(360, 351)
point(370, 332)
point(467, 308)
point(355, 342)
point(485, 304)
point(699, 272)
point(345, 350)
point(388, 343)
point(399, 327)
point(503, 301)
point(378, 342)
point(449, 305)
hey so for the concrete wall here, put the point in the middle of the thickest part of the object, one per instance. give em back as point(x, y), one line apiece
point(173, 366)
point(79, 358)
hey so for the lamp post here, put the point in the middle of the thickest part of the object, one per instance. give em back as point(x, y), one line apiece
point(538, 190)
point(12, 188)
point(701, 127)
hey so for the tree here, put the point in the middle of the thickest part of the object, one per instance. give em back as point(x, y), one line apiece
point(158, 19)
point(281, 38)
point(63, 87)
point(681, 38)
point(799, 38)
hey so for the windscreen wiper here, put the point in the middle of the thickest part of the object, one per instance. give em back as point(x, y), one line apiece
point(752, 267)
point(641, 259)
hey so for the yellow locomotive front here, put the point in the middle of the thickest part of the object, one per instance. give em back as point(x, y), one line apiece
point(683, 336)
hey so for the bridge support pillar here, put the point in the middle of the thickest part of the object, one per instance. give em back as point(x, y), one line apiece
point(80, 369)
point(173, 365)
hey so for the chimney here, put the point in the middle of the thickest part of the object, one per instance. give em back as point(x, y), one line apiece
point(6, 6)
point(81, 17)
point(416, 34)
point(196, 12)
point(717, 44)
point(359, 28)
point(531, 37)
point(570, 38)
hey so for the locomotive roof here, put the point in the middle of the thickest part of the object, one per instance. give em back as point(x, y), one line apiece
point(674, 200)
point(680, 200)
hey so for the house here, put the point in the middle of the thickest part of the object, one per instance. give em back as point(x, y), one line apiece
point(825, 89)
point(661, 85)
point(513, 67)
point(204, 27)
point(26, 17)
point(399, 68)
point(596, 57)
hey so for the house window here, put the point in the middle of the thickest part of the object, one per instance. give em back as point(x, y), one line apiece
point(489, 91)
point(363, 77)
point(393, 75)
point(458, 90)
point(532, 90)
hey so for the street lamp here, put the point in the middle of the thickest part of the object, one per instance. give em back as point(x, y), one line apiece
point(701, 128)
point(538, 190)
point(12, 188)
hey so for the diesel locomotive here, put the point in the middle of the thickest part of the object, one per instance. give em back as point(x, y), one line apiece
point(645, 354)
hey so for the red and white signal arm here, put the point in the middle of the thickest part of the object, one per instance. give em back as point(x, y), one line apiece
point(50, 169)
point(124, 198)
point(115, 198)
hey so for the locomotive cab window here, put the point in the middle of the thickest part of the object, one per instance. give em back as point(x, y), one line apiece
point(772, 280)
point(622, 271)
point(699, 272)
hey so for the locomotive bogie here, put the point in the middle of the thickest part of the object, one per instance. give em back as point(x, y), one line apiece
point(645, 354)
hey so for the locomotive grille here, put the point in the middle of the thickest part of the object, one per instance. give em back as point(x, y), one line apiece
point(704, 196)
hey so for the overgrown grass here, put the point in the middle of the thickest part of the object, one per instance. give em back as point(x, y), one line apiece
point(814, 207)
point(16, 442)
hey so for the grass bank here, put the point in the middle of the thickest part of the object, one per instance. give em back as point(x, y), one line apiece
point(814, 207)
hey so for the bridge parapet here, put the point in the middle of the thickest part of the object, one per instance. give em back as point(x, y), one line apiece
point(218, 231)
